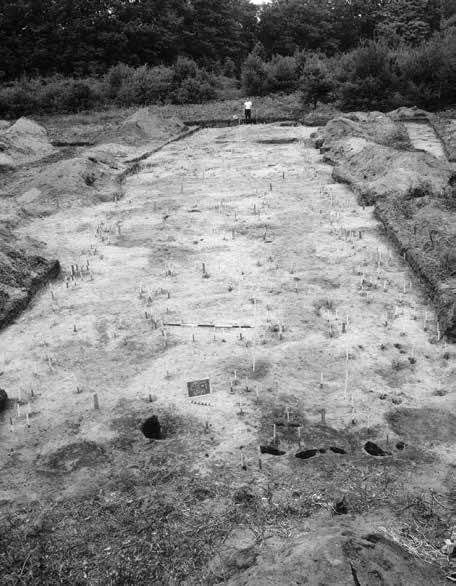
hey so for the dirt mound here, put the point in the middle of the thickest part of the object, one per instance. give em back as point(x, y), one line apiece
point(145, 126)
point(373, 127)
point(339, 557)
point(24, 142)
point(75, 456)
point(319, 117)
point(22, 273)
point(405, 113)
point(67, 183)
point(375, 171)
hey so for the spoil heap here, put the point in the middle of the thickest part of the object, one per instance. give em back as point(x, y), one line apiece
point(23, 142)
point(83, 180)
point(144, 126)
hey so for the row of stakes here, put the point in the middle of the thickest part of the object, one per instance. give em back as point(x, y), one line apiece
point(366, 282)
point(102, 230)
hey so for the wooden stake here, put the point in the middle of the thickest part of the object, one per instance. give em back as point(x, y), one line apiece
point(96, 404)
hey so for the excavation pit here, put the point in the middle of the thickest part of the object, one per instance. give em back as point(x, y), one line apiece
point(271, 450)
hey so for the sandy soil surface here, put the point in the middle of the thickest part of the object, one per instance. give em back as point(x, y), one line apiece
point(423, 137)
point(232, 227)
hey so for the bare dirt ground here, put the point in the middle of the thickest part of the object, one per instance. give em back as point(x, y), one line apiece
point(240, 226)
point(423, 136)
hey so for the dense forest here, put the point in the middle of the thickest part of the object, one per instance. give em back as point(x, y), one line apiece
point(143, 51)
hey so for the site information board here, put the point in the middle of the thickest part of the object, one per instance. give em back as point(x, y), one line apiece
point(197, 388)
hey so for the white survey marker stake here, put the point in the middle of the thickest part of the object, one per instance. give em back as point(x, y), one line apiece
point(197, 388)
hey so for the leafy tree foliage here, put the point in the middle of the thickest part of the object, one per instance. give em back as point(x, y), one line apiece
point(317, 81)
point(79, 37)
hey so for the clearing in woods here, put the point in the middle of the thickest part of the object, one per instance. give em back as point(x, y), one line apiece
point(236, 226)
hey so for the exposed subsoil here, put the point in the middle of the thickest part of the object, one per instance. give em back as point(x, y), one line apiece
point(219, 230)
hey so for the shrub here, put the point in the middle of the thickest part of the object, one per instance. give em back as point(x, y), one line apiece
point(254, 75)
point(152, 85)
point(76, 96)
point(193, 91)
point(316, 83)
point(229, 68)
point(184, 68)
point(116, 78)
point(17, 100)
point(368, 76)
point(282, 74)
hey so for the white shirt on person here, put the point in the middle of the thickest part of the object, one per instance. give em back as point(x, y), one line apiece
point(248, 105)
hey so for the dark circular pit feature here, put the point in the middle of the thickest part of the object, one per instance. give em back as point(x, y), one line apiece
point(306, 454)
point(337, 450)
point(151, 428)
point(400, 445)
point(271, 450)
point(322, 450)
point(3, 399)
point(374, 450)
point(341, 508)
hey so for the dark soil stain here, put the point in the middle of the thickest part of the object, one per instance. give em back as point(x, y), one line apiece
point(423, 425)
point(375, 450)
point(306, 454)
point(75, 456)
point(271, 450)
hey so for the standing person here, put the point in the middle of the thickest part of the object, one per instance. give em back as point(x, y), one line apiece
point(248, 110)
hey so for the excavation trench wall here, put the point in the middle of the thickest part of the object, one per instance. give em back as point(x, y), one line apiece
point(414, 197)
point(134, 165)
point(30, 273)
point(229, 122)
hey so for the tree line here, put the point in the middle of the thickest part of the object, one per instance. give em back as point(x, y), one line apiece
point(69, 54)
point(87, 37)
